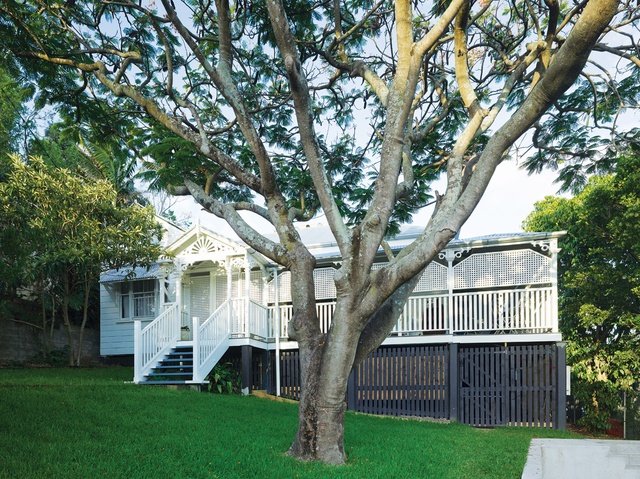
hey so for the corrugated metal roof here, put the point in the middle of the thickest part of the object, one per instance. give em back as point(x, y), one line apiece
point(128, 273)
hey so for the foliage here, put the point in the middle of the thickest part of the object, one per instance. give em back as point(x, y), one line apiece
point(12, 98)
point(100, 408)
point(599, 284)
point(288, 109)
point(56, 358)
point(59, 231)
point(224, 378)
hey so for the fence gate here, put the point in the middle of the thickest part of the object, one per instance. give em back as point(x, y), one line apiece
point(512, 385)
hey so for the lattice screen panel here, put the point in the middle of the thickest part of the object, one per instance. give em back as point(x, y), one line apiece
point(237, 285)
point(323, 279)
point(221, 290)
point(256, 291)
point(199, 301)
point(284, 285)
point(502, 268)
point(434, 278)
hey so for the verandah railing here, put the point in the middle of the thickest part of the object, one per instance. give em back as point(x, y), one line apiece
point(519, 311)
point(155, 340)
point(522, 310)
point(248, 318)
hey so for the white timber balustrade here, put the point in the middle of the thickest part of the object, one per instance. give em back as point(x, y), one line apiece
point(512, 291)
point(257, 318)
point(424, 314)
point(504, 311)
point(155, 340)
point(211, 341)
point(528, 310)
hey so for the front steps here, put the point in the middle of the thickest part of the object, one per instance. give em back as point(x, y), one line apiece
point(175, 369)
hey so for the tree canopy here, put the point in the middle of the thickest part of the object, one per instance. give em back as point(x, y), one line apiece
point(599, 285)
point(59, 231)
point(291, 109)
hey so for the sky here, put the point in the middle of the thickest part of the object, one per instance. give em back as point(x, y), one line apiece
point(510, 197)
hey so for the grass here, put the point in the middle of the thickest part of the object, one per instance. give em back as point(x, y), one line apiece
point(89, 423)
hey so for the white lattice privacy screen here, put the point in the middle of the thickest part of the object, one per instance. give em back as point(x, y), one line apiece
point(323, 278)
point(284, 288)
point(325, 286)
point(434, 277)
point(502, 268)
point(256, 292)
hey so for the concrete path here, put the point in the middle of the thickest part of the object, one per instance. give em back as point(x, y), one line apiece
point(582, 459)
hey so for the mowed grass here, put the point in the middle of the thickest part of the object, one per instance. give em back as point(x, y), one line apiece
point(90, 423)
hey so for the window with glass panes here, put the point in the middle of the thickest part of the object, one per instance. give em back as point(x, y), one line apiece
point(138, 299)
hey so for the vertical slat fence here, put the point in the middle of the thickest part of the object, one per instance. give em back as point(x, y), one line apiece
point(512, 385)
point(497, 385)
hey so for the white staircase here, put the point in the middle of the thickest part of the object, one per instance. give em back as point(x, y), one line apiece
point(162, 359)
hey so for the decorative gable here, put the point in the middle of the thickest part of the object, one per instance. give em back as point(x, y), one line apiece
point(200, 244)
point(204, 245)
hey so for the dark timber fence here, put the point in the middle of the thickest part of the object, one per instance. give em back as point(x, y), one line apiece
point(402, 381)
point(520, 385)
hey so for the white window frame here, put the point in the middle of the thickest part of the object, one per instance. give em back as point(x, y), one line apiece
point(138, 299)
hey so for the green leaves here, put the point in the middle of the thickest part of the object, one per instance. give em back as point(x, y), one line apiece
point(59, 231)
point(599, 283)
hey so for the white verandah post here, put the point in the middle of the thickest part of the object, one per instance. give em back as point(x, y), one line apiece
point(247, 294)
point(137, 351)
point(554, 250)
point(195, 324)
point(276, 310)
point(449, 255)
point(229, 293)
point(179, 293)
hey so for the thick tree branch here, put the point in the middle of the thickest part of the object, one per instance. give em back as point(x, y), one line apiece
point(247, 233)
point(300, 91)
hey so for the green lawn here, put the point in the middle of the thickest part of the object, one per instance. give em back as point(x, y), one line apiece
point(90, 423)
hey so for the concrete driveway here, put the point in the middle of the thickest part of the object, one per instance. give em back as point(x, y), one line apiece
point(582, 459)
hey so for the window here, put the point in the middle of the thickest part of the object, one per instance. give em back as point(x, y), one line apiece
point(138, 299)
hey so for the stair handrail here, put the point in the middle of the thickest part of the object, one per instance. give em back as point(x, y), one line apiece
point(257, 319)
point(154, 341)
point(210, 341)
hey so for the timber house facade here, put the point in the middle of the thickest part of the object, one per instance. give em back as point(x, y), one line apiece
point(478, 341)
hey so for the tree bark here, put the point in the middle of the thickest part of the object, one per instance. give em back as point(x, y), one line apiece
point(85, 315)
point(320, 435)
point(326, 364)
point(65, 313)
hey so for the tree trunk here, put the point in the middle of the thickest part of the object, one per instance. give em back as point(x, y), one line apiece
point(320, 435)
point(325, 365)
point(65, 314)
point(46, 345)
point(85, 314)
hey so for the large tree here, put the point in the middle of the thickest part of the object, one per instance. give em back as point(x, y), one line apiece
point(285, 109)
point(599, 285)
point(12, 111)
point(59, 231)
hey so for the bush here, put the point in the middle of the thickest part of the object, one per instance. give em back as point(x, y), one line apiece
point(224, 379)
point(58, 358)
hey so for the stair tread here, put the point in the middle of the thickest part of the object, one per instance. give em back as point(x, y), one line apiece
point(160, 383)
point(189, 374)
point(183, 366)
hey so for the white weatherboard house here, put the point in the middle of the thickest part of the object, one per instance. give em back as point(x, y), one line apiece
point(478, 341)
